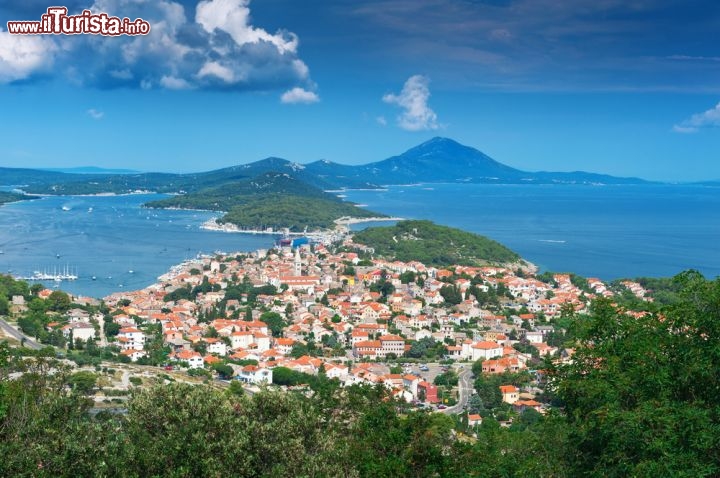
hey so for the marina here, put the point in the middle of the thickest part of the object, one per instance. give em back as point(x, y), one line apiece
point(66, 273)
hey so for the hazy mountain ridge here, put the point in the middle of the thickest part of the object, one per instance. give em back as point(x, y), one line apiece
point(439, 160)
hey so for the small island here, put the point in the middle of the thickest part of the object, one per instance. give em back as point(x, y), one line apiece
point(7, 197)
point(435, 245)
point(271, 201)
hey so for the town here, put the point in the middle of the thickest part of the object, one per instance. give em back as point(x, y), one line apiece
point(281, 316)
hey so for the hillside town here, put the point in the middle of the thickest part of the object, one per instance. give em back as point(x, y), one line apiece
point(336, 311)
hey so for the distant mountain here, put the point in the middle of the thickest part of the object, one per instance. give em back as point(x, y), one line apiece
point(440, 160)
point(91, 170)
point(714, 183)
point(446, 160)
point(23, 176)
point(437, 160)
point(341, 175)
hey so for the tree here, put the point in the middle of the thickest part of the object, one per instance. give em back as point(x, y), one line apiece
point(451, 294)
point(58, 301)
point(275, 323)
point(407, 277)
point(641, 392)
point(83, 382)
point(236, 388)
point(475, 404)
point(224, 371)
point(111, 329)
point(447, 379)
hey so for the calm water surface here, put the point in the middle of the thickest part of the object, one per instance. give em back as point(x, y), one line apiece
point(604, 231)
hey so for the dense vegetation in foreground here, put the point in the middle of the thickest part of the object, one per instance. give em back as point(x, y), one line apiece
point(433, 245)
point(638, 399)
point(275, 200)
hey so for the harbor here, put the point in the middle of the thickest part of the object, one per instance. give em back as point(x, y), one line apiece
point(66, 273)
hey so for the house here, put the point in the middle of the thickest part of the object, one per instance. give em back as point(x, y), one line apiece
point(78, 315)
point(254, 374)
point(522, 405)
point(336, 371)
point(284, 346)
point(502, 365)
point(194, 359)
point(510, 393)
point(474, 419)
point(133, 355)
point(453, 352)
point(131, 338)
point(410, 382)
point(216, 346)
point(392, 344)
point(485, 350)
point(429, 391)
point(79, 331)
point(534, 337)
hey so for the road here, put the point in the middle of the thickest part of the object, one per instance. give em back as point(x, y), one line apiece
point(465, 387)
point(13, 332)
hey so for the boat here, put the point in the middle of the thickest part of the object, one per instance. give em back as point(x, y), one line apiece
point(66, 208)
point(94, 278)
point(90, 209)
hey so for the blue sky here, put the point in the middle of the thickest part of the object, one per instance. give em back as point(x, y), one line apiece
point(624, 87)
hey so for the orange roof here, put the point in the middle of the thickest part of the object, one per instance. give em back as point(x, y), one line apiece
point(485, 345)
point(369, 343)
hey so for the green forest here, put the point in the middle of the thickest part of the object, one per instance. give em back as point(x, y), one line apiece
point(638, 399)
point(275, 200)
point(6, 197)
point(434, 245)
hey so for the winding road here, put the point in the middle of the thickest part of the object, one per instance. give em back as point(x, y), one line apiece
point(13, 332)
point(465, 387)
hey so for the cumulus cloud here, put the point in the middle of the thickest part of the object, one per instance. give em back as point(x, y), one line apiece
point(706, 119)
point(381, 121)
point(210, 45)
point(21, 56)
point(95, 114)
point(413, 99)
point(299, 95)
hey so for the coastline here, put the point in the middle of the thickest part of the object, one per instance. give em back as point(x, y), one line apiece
point(212, 225)
point(358, 220)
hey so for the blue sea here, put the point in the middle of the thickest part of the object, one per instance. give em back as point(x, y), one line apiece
point(597, 231)
point(602, 231)
point(107, 237)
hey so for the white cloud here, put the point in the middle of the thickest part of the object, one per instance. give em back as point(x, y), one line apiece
point(299, 95)
point(233, 17)
point(706, 119)
point(381, 120)
point(95, 114)
point(173, 83)
point(413, 99)
point(214, 46)
point(23, 55)
point(213, 68)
